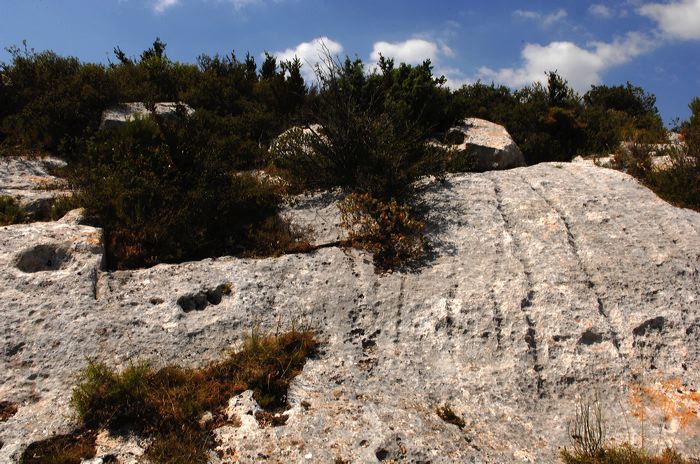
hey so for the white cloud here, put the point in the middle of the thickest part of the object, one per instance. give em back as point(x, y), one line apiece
point(240, 4)
point(411, 51)
point(159, 6)
point(544, 20)
point(600, 11)
point(676, 20)
point(455, 77)
point(310, 53)
point(582, 67)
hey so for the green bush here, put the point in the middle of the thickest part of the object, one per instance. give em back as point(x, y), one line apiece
point(620, 113)
point(51, 99)
point(163, 196)
point(357, 146)
point(678, 180)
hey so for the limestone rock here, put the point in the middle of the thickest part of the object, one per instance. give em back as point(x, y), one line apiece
point(119, 114)
point(30, 182)
point(479, 145)
point(546, 284)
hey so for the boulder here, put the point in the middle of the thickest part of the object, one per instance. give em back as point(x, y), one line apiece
point(478, 145)
point(295, 141)
point(119, 114)
point(545, 285)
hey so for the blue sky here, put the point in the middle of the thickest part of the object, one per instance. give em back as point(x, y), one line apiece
point(652, 43)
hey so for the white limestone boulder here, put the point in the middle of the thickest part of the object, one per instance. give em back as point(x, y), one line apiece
point(478, 145)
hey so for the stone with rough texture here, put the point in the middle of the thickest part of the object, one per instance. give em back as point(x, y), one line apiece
point(546, 284)
point(119, 114)
point(30, 182)
point(481, 145)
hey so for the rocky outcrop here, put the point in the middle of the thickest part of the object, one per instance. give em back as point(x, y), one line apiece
point(478, 145)
point(546, 284)
point(119, 114)
point(296, 141)
point(30, 182)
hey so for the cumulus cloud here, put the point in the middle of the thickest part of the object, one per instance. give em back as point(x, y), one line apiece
point(416, 50)
point(582, 67)
point(310, 54)
point(412, 51)
point(600, 11)
point(544, 20)
point(159, 6)
point(676, 20)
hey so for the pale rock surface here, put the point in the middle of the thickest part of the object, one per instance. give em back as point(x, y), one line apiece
point(29, 181)
point(295, 141)
point(545, 284)
point(482, 145)
point(119, 114)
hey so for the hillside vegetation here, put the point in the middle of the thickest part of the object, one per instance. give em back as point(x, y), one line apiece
point(191, 187)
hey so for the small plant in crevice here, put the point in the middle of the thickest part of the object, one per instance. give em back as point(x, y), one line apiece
point(447, 414)
point(626, 454)
point(72, 448)
point(62, 205)
point(587, 432)
point(587, 429)
point(11, 212)
point(7, 410)
point(387, 229)
point(165, 405)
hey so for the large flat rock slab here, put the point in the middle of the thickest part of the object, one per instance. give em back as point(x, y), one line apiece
point(546, 284)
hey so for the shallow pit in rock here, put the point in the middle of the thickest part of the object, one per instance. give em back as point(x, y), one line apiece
point(45, 257)
point(200, 300)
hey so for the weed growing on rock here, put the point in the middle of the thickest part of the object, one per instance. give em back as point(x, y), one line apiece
point(387, 229)
point(7, 410)
point(62, 205)
point(448, 415)
point(587, 429)
point(587, 433)
point(624, 454)
point(166, 404)
point(11, 212)
point(61, 449)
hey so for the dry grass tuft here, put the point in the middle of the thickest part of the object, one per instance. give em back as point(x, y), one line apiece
point(166, 405)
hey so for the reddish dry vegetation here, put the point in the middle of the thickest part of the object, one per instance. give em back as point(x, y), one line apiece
point(166, 405)
point(7, 410)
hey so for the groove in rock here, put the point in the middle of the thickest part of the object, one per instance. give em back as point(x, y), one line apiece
point(573, 246)
point(531, 335)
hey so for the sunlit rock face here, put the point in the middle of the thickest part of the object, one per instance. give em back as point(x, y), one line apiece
point(545, 285)
point(479, 145)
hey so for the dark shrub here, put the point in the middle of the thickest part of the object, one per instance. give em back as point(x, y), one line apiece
point(616, 113)
point(357, 146)
point(162, 196)
point(51, 99)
